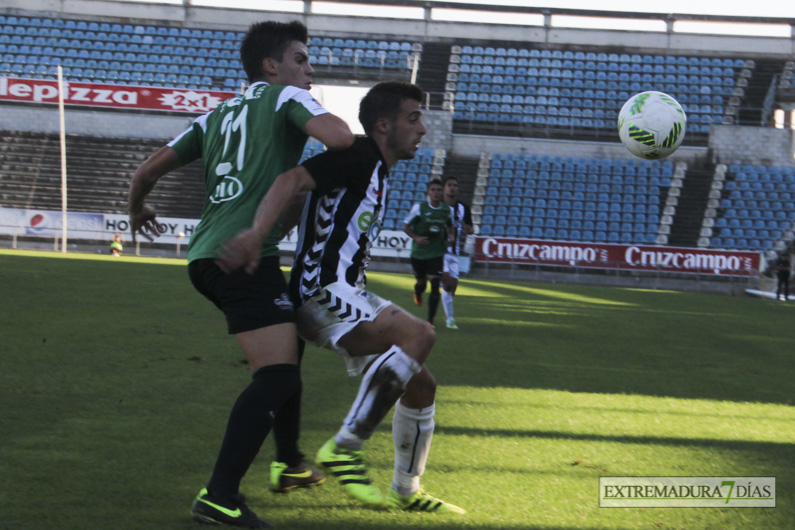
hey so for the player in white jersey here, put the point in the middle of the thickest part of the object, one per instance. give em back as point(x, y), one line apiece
point(462, 227)
point(342, 216)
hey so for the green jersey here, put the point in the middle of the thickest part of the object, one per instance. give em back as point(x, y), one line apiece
point(245, 143)
point(425, 220)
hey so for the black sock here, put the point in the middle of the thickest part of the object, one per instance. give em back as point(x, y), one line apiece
point(419, 289)
point(287, 424)
point(433, 299)
point(249, 423)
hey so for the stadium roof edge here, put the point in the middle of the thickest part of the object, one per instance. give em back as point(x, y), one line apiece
point(574, 12)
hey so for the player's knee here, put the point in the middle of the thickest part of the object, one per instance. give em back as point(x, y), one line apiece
point(451, 286)
point(421, 390)
point(426, 336)
point(428, 382)
point(417, 340)
point(435, 285)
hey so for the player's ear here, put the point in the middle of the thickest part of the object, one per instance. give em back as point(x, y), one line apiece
point(383, 125)
point(270, 67)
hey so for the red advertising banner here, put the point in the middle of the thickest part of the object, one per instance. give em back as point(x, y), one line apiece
point(117, 96)
point(625, 257)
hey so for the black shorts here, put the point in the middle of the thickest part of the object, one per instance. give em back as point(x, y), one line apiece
point(427, 267)
point(249, 301)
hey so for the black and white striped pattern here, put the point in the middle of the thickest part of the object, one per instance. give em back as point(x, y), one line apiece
point(310, 277)
point(459, 213)
point(341, 308)
point(337, 228)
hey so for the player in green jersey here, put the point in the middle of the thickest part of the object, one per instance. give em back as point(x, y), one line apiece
point(245, 143)
point(429, 225)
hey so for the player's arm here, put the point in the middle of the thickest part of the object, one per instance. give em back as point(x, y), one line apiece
point(450, 228)
point(408, 224)
point(142, 216)
point(467, 226)
point(450, 236)
point(243, 250)
point(292, 214)
point(420, 240)
point(331, 130)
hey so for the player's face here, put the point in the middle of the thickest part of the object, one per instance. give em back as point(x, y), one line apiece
point(406, 132)
point(451, 189)
point(435, 193)
point(294, 69)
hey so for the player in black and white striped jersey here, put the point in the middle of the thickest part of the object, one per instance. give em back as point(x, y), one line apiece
point(342, 217)
point(462, 227)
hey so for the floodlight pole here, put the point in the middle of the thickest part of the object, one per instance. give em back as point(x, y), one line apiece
point(414, 68)
point(63, 159)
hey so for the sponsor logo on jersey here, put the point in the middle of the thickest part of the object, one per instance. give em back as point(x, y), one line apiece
point(365, 220)
point(228, 189)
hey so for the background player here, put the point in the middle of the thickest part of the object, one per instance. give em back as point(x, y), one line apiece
point(343, 215)
point(783, 271)
point(245, 143)
point(462, 227)
point(429, 225)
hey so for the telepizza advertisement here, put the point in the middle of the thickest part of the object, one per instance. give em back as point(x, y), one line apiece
point(115, 96)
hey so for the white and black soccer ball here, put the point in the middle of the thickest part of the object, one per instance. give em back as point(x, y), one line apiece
point(652, 125)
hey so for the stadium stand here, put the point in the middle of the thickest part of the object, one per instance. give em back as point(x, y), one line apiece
point(380, 54)
point(566, 88)
point(408, 184)
point(159, 55)
point(496, 91)
point(100, 170)
point(31, 174)
point(568, 198)
point(756, 208)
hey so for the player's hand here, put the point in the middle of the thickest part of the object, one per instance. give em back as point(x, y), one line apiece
point(241, 252)
point(145, 223)
point(421, 240)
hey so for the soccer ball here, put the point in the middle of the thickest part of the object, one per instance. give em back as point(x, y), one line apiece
point(651, 125)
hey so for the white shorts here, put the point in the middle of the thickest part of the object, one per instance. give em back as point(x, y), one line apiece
point(332, 313)
point(451, 265)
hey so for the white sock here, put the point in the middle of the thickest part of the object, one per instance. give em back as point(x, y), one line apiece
point(447, 304)
point(412, 430)
point(347, 440)
point(382, 385)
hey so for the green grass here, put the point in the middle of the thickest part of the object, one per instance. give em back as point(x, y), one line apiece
point(116, 379)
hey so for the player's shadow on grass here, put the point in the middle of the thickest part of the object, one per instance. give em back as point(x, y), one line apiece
point(742, 445)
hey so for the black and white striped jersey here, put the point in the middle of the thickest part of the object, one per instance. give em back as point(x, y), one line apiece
point(461, 215)
point(341, 218)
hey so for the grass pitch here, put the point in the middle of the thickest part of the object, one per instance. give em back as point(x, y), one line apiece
point(116, 379)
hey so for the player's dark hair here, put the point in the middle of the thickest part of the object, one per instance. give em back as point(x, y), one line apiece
point(268, 39)
point(435, 182)
point(450, 177)
point(384, 101)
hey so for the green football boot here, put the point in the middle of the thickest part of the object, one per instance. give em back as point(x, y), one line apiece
point(348, 468)
point(232, 511)
point(419, 501)
point(285, 479)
